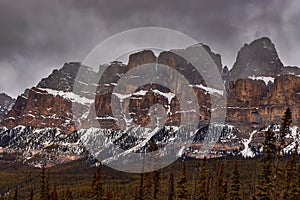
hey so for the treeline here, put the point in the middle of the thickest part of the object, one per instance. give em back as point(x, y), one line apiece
point(276, 177)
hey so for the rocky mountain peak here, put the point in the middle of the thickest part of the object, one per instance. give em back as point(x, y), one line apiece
point(259, 58)
point(62, 79)
point(140, 58)
point(6, 103)
point(215, 56)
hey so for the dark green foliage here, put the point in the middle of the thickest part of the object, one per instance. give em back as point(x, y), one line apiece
point(72, 183)
point(118, 197)
point(202, 185)
point(31, 195)
point(109, 195)
point(53, 195)
point(221, 182)
point(44, 185)
point(140, 193)
point(291, 185)
point(286, 121)
point(265, 187)
point(97, 191)
point(156, 184)
point(235, 184)
point(16, 194)
point(171, 189)
point(182, 188)
point(69, 195)
point(148, 187)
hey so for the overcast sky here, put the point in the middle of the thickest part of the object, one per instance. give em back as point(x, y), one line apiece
point(37, 36)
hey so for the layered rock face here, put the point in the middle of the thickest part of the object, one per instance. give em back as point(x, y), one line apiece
point(253, 104)
point(140, 105)
point(40, 109)
point(50, 103)
point(259, 89)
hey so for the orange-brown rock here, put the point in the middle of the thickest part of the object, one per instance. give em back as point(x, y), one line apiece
point(40, 109)
point(252, 104)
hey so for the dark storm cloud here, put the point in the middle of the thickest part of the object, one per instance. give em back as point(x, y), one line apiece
point(37, 36)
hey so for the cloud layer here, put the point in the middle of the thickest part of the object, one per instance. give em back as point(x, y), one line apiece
point(38, 36)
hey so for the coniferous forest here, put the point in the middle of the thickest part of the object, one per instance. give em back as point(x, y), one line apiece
point(273, 175)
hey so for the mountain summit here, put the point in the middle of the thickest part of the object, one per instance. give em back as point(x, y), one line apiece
point(259, 89)
point(259, 58)
point(6, 103)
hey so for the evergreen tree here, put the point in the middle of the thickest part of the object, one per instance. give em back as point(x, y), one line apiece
point(97, 191)
point(155, 174)
point(291, 189)
point(118, 197)
point(31, 195)
point(136, 193)
point(221, 183)
point(47, 185)
point(171, 190)
point(44, 185)
point(156, 184)
point(69, 195)
point(182, 188)
point(140, 195)
point(16, 194)
point(203, 184)
point(266, 183)
point(286, 121)
point(53, 195)
point(109, 195)
point(235, 185)
point(148, 187)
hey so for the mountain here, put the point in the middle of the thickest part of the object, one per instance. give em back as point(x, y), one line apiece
point(259, 89)
point(259, 58)
point(6, 103)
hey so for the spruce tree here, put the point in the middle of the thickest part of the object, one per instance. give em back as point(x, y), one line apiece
point(286, 121)
point(118, 197)
point(69, 195)
point(235, 184)
point(182, 188)
point(291, 185)
point(53, 195)
point(109, 195)
point(221, 182)
point(31, 195)
point(266, 183)
point(43, 185)
point(156, 184)
point(140, 193)
point(155, 174)
point(47, 185)
point(171, 190)
point(203, 184)
point(97, 191)
point(16, 194)
point(148, 187)
point(136, 192)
